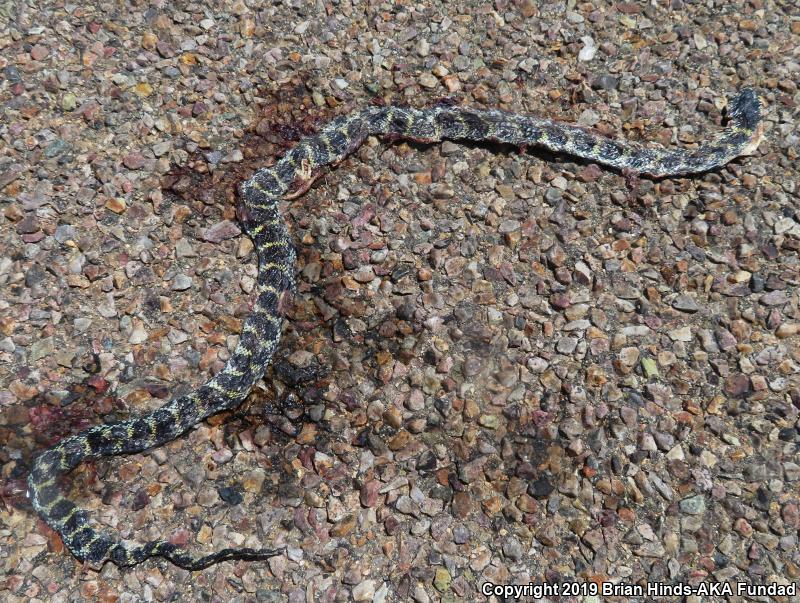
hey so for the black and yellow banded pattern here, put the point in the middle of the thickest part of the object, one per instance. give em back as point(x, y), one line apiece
point(261, 331)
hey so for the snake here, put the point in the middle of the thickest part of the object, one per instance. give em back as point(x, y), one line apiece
point(259, 214)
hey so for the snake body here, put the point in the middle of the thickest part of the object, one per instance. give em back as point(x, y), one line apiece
point(259, 197)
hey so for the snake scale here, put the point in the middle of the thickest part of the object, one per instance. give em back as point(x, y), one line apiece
point(261, 219)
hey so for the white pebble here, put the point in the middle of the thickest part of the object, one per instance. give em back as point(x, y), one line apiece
point(589, 49)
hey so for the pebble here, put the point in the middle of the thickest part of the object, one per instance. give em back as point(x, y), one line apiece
point(161, 148)
point(541, 487)
point(133, 161)
point(629, 356)
point(605, 81)
point(221, 231)
point(695, 505)
point(181, 282)
point(566, 345)
point(419, 595)
point(69, 102)
point(650, 368)
point(791, 471)
point(39, 52)
point(364, 591)
point(686, 303)
point(774, 298)
point(737, 384)
point(681, 334)
point(512, 549)
point(428, 80)
point(117, 205)
point(589, 50)
point(442, 580)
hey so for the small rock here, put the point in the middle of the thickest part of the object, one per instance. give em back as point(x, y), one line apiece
point(41, 348)
point(39, 52)
point(696, 505)
point(605, 81)
point(419, 595)
point(69, 101)
point(469, 472)
point(541, 487)
point(149, 40)
point(774, 298)
point(369, 493)
point(184, 249)
point(449, 148)
point(685, 303)
point(681, 334)
point(461, 534)
point(364, 591)
point(650, 549)
point(55, 148)
point(406, 506)
point(442, 580)
point(488, 421)
point(12, 74)
point(161, 148)
point(29, 224)
point(428, 80)
point(742, 526)
point(649, 367)
point(230, 495)
point(181, 282)
point(254, 480)
point(589, 173)
point(143, 89)
point(787, 329)
point(589, 50)
point(165, 50)
point(138, 334)
point(133, 161)
point(566, 345)
point(512, 548)
point(8, 176)
point(629, 356)
point(736, 384)
point(725, 339)
point(116, 204)
point(221, 231)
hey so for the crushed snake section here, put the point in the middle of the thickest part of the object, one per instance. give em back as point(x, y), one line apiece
point(261, 219)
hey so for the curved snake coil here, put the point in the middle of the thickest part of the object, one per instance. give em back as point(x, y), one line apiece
point(260, 196)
